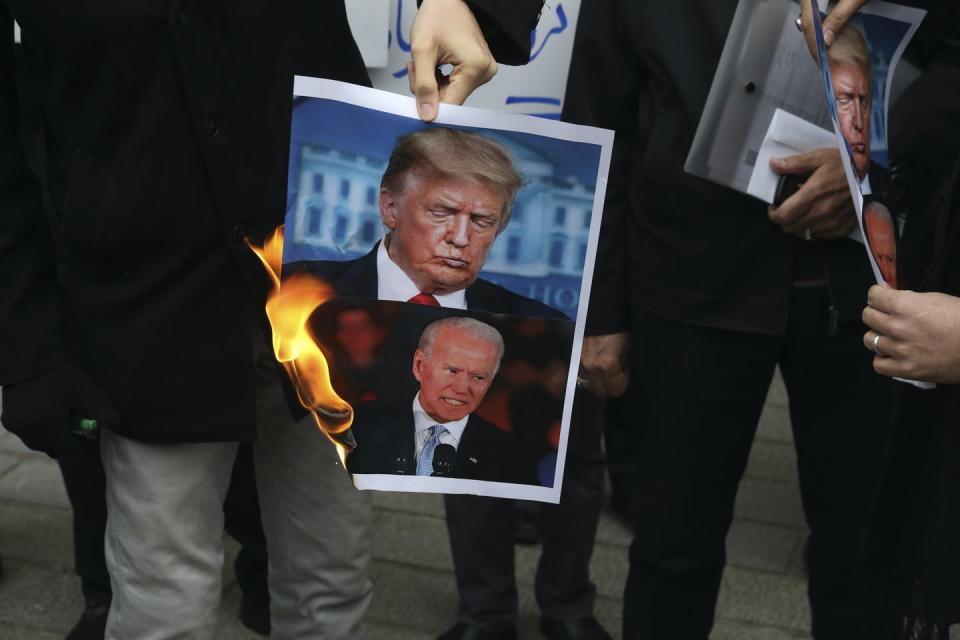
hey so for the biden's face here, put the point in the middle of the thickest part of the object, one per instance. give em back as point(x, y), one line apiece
point(441, 230)
point(455, 375)
point(852, 90)
point(882, 239)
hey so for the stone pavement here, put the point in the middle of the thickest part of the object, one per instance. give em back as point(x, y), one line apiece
point(762, 598)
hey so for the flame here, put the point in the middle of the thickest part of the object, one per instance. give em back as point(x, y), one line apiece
point(289, 308)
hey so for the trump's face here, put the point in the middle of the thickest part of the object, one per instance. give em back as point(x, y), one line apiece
point(852, 89)
point(455, 375)
point(441, 230)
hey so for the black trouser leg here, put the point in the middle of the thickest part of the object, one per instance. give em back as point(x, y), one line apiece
point(83, 477)
point(568, 529)
point(840, 412)
point(698, 392)
point(481, 538)
point(900, 517)
point(241, 514)
point(620, 435)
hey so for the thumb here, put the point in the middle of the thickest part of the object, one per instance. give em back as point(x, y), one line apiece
point(423, 82)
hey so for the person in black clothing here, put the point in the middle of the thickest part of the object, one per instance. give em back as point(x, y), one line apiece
point(132, 299)
point(913, 565)
point(715, 290)
point(82, 472)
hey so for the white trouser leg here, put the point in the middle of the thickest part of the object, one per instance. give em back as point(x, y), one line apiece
point(319, 528)
point(164, 541)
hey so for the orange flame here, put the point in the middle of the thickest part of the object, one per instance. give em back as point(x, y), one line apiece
point(289, 308)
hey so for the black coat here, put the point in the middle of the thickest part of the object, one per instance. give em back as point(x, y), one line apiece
point(671, 243)
point(385, 444)
point(914, 548)
point(358, 279)
point(166, 126)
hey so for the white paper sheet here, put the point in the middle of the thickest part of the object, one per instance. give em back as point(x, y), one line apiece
point(787, 135)
point(369, 22)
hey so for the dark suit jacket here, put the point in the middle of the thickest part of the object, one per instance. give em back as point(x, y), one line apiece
point(385, 444)
point(166, 125)
point(673, 244)
point(358, 279)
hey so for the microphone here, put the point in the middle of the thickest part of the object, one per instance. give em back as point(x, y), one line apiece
point(444, 457)
point(401, 466)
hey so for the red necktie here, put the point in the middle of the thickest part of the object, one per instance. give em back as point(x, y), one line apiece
point(424, 298)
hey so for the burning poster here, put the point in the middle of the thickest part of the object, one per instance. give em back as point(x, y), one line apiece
point(442, 272)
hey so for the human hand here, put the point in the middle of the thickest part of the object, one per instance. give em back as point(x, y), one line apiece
point(39, 410)
point(446, 32)
point(919, 334)
point(603, 364)
point(823, 207)
point(832, 24)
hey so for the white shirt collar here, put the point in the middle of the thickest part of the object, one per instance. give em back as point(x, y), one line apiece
point(394, 284)
point(422, 421)
point(865, 186)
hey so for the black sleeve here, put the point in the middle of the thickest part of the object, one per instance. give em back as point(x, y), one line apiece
point(507, 26)
point(30, 329)
point(603, 91)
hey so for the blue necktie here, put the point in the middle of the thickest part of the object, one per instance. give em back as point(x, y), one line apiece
point(425, 459)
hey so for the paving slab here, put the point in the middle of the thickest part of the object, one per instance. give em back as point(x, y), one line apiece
point(775, 424)
point(610, 614)
point(36, 535)
point(733, 630)
point(373, 631)
point(36, 480)
point(770, 502)
point(765, 547)
point(412, 539)
point(421, 503)
point(764, 599)
point(772, 460)
point(35, 598)
point(412, 598)
point(777, 393)
point(613, 530)
point(608, 568)
point(23, 633)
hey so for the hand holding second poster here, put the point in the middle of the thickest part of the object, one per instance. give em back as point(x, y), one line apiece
point(444, 243)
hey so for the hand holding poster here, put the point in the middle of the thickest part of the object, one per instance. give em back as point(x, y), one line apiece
point(459, 254)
